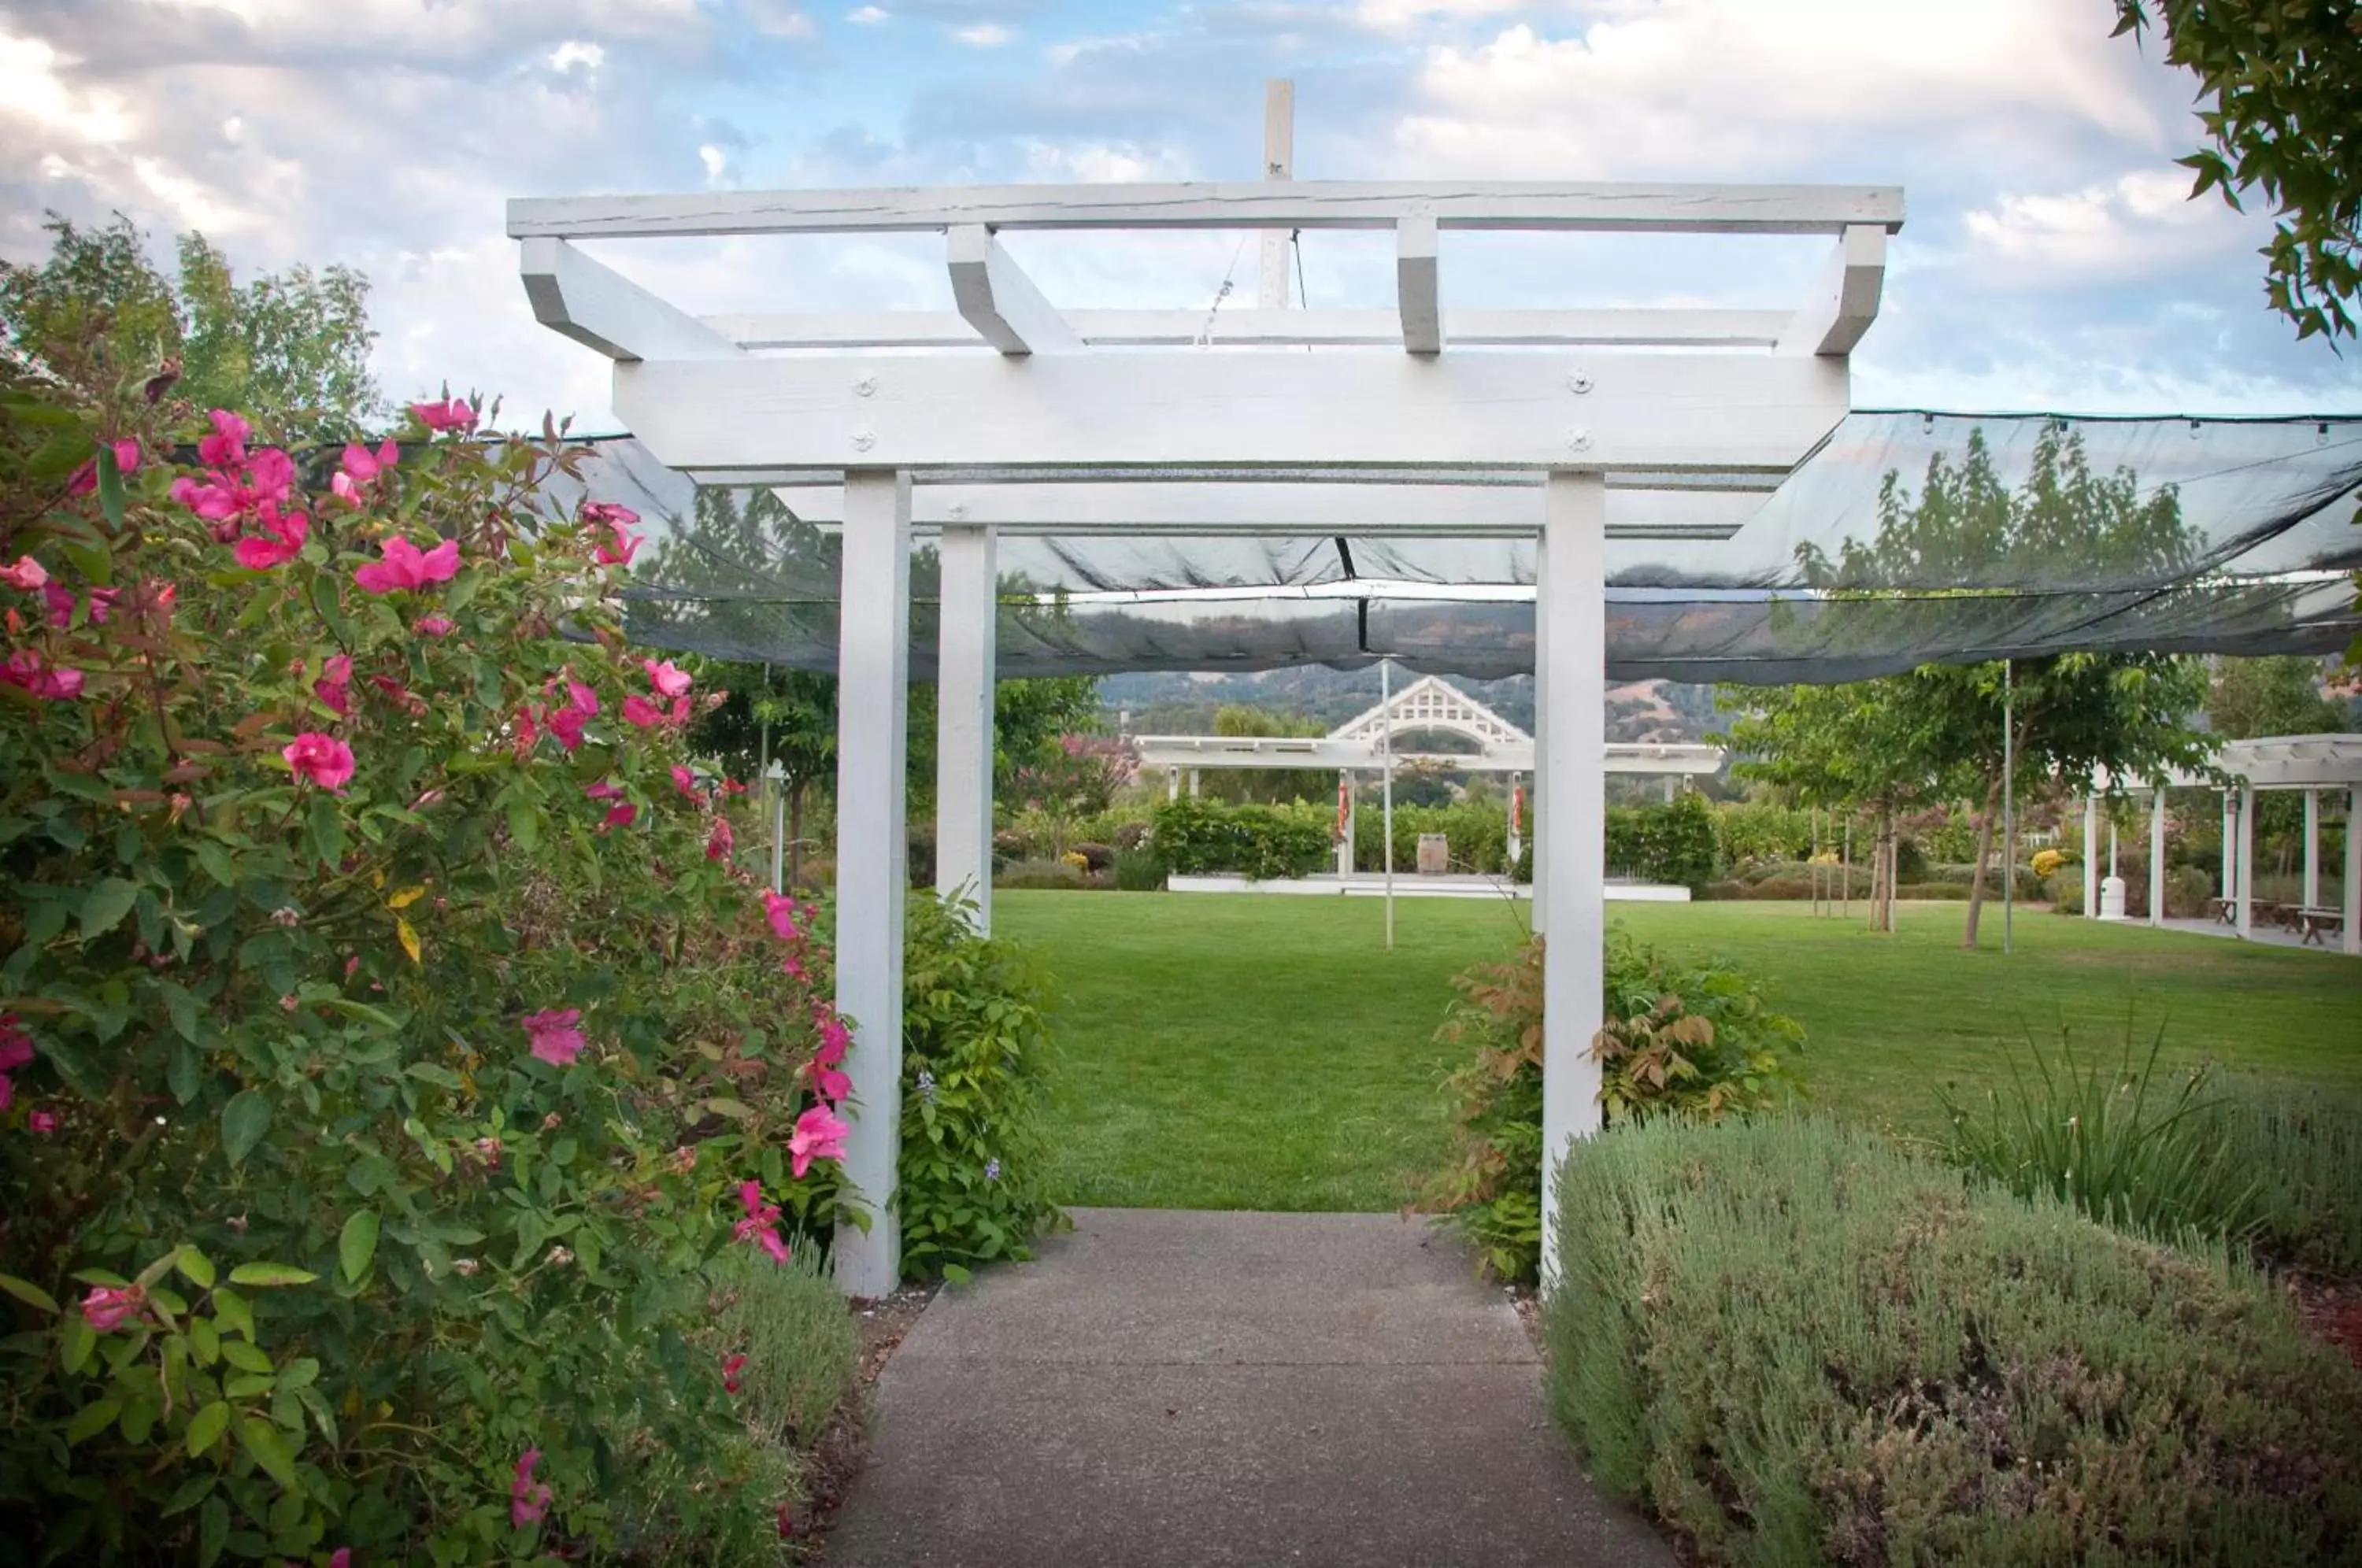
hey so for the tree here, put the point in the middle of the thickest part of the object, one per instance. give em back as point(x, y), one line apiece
point(2285, 120)
point(1238, 785)
point(291, 348)
point(2251, 697)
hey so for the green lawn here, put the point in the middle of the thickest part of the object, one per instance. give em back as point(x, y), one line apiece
point(1258, 1052)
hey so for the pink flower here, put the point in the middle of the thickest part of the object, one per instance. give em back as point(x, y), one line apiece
point(225, 447)
point(528, 730)
point(16, 1046)
point(27, 574)
point(127, 456)
point(620, 816)
point(554, 1039)
point(684, 779)
point(623, 544)
point(605, 789)
point(819, 1135)
point(780, 911)
point(721, 841)
point(7, 1091)
point(407, 567)
point(834, 1039)
point(434, 625)
point(42, 1123)
point(342, 1557)
point(669, 679)
point(284, 545)
point(829, 1083)
point(334, 685)
point(61, 601)
point(26, 668)
point(639, 711)
point(364, 465)
point(451, 413)
point(761, 1225)
point(730, 1367)
point(104, 1308)
point(528, 1499)
point(324, 759)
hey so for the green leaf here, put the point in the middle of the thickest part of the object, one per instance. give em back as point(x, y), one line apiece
point(182, 1075)
point(103, 907)
point(328, 830)
point(269, 1446)
point(268, 1274)
point(206, 1427)
point(434, 1073)
point(300, 1374)
point(246, 1385)
point(213, 1531)
point(25, 1290)
point(244, 1356)
point(356, 1246)
point(110, 485)
point(230, 1311)
point(91, 1419)
point(181, 1004)
point(196, 1267)
point(244, 1121)
point(76, 1339)
point(192, 1492)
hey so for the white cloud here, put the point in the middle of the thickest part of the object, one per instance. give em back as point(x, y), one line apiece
point(714, 160)
point(1401, 16)
point(2142, 223)
point(867, 16)
point(780, 18)
point(574, 53)
point(983, 35)
point(30, 87)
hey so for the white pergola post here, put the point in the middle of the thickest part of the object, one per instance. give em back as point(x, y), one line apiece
point(1539, 899)
point(1345, 782)
point(1572, 754)
point(2091, 858)
point(872, 720)
point(1193, 782)
point(1171, 783)
point(2230, 845)
point(1516, 844)
point(968, 615)
point(2157, 859)
point(2353, 890)
point(2246, 861)
point(2312, 849)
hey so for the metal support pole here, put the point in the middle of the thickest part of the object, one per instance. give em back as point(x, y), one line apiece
point(1386, 754)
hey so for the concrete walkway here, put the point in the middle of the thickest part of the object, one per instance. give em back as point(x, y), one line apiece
point(1197, 1389)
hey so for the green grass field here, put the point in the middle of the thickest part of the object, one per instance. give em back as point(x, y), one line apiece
point(1258, 1052)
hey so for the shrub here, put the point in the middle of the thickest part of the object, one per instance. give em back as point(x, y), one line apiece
point(390, 1031)
point(2188, 891)
point(792, 1326)
point(1038, 874)
point(1130, 835)
point(975, 1066)
point(2302, 1144)
point(2047, 862)
point(1682, 1041)
point(1138, 871)
point(1672, 844)
point(1094, 856)
point(1194, 836)
point(2118, 1143)
point(1799, 1345)
point(1746, 832)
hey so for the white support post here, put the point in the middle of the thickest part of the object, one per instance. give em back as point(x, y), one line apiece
point(968, 616)
point(1278, 163)
point(2246, 861)
point(1352, 821)
point(1193, 783)
point(2091, 858)
point(873, 696)
point(1539, 803)
point(1574, 605)
point(1171, 783)
point(999, 301)
point(1416, 286)
point(2157, 859)
point(2353, 889)
point(2230, 847)
point(2312, 849)
point(1517, 828)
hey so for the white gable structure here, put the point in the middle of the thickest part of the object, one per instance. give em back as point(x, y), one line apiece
point(1559, 427)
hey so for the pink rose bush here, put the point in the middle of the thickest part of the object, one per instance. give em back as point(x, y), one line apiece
point(393, 1037)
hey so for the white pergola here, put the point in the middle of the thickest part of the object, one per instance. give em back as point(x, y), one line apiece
point(1010, 413)
point(1364, 744)
point(2314, 763)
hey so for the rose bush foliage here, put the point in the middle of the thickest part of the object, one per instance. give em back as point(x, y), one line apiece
point(389, 1033)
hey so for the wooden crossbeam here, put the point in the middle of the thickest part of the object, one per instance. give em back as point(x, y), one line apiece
point(1301, 203)
point(1846, 304)
point(1635, 328)
point(1416, 286)
point(600, 308)
point(996, 297)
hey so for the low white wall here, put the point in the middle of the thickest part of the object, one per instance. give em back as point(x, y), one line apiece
point(1410, 885)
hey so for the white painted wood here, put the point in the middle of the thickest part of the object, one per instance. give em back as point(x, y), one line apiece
point(2353, 889)
point(1278, 163)
point(871, 852)
point(1537, 832)
point(1204, 509)
point(2280, 762)
point(1347, 783)
point(2157, 859)
point(1516, 840)
point(2312, 849)
point(2230, 847)
point(2246, 861)
point(1417, 285)
point(2091, 858)
point(1299, 203)
point(996, 297)
point(1575, 607)
point(1258, 329)
point(1691, 411)
point(1835, 318)
point(968, 620)
point(1193, 783)
point(601, 309)
point(1651, 758)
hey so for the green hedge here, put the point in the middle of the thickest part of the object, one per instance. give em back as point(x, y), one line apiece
point(1196, 836)
point(1672, 844)
point(1799, 1345)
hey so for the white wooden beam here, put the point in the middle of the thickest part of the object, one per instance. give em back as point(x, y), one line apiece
point(996, 297)
point(1638, 327)
point(600, 308)
point(2312, 849)
point(1846, 304)
point(1118, 411)
point(1574, 605)
point(1301, 203)
point(1278, 164)
point(1416, 285)
point(872, 672)
point(2247, 910)
point(2091, 857)
point(968, 617)
point(2157, 859)
point(2352, 888)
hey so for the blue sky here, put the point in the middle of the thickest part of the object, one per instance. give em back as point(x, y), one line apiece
point(2050, 259)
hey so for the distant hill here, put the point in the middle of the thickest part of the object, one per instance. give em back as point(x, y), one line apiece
point(1160, 703)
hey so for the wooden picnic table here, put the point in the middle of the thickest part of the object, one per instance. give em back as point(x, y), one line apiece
point(2318, 925)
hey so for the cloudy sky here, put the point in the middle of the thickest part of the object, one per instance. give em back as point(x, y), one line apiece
point(2050, 259)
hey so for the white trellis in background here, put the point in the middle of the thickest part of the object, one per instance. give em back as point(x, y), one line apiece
point(1567, 427)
